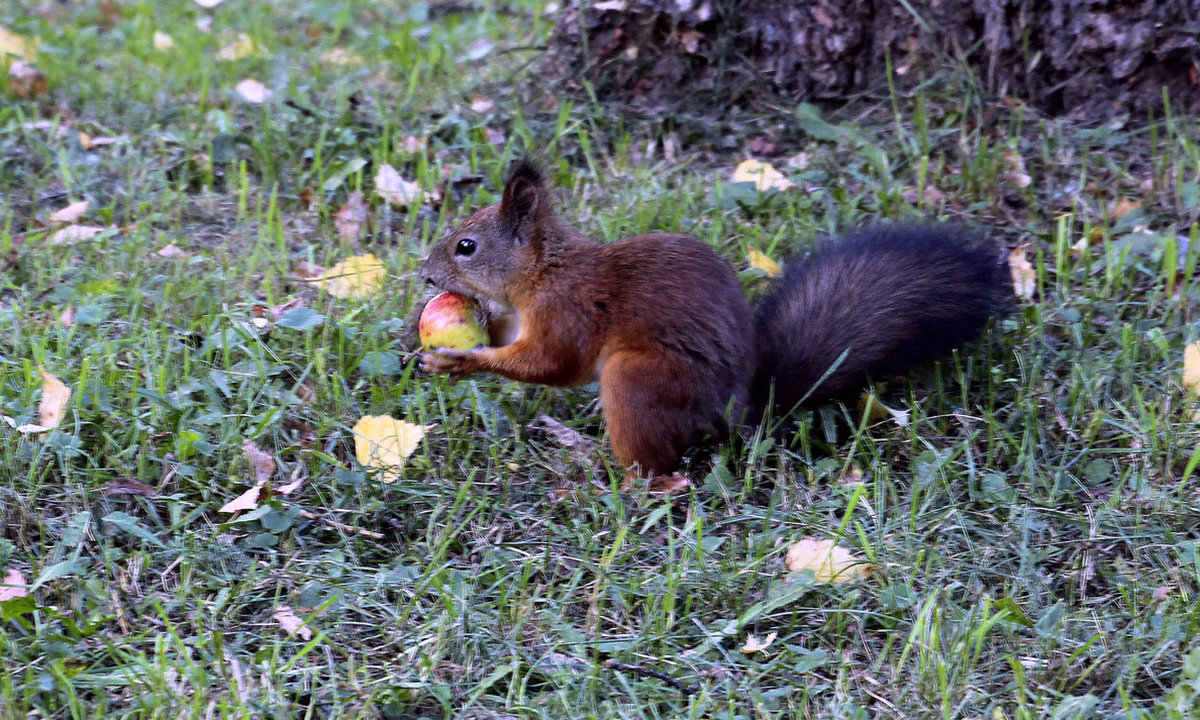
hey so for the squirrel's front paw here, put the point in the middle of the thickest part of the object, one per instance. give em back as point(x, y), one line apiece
point(454, 362)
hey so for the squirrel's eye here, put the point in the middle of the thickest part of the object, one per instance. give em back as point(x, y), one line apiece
point(465, 247)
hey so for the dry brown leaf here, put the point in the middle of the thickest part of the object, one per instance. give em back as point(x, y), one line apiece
point(25, 82)
point(382, 441)
point(129, 486)
point(260, 461)
point(763, 175)
point(829, 563)
point(69, 214)
point(67, 317)
point(481, 104)
point(13, 586)
point(395, 189)
point(1121, 207)
point(568, 437)
point(291, 487)
point(1024, 277)
point(253, 91)
point(350, 218)
point(1191, 367)
point(171, 251)
point(355, 277)
point(246, 501)
point(754, 645)
point(759, 260)
point(665, 484)
point(291, 624)
point(277, 311)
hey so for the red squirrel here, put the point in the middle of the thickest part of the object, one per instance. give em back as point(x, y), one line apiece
point(661, 320)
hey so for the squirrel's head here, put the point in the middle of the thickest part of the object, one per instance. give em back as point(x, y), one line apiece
point(488, 255)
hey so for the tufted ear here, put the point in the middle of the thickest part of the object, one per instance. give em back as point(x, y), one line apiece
point(524, 195)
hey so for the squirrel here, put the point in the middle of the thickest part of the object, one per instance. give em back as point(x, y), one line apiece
point(661, 320)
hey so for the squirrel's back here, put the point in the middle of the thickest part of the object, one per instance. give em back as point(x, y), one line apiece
point(874, 303)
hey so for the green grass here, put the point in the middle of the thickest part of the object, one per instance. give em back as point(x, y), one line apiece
point(1037, 522)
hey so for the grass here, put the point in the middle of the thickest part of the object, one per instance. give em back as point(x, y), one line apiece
point(1037, 521)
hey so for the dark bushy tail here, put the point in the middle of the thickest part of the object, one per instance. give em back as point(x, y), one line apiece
point(873, 304)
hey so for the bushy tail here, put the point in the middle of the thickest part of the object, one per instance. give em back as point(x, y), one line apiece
point(876, 303)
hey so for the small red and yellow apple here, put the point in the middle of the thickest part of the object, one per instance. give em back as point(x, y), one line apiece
point(452, 321)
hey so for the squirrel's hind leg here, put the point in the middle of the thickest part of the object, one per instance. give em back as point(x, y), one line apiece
point(648, 411)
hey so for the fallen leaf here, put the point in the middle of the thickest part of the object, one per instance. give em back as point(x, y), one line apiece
point(67, 317)
point(1119, 208)
point(664, 484)
point(291, 624)
point(253, 91)
point(277, 311)
point(1024, 277)
point(208, 3)
point(171, 251)
point(129, 486)
point(829, 563)
point(1015, 169)
point(761, 261)
point(291, 487)
point(754, 645)
point(340, 56)
point(13, 586)
point(355, 277)
point(163, 41)
point(260, 461)
point(16, 45)
point(494, 136)
point(76, 233)
point(568, 437)
point(382, 441)
point(1191, 367)
point(481, 105)
point(763, 175)
point(350, 218)
point(240, 48)
point(25, 82)
point(69, 214)
point(54, 400)
point(395, 189)
point(246, 501)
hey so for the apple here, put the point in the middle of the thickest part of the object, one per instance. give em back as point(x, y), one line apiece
point(452, 321)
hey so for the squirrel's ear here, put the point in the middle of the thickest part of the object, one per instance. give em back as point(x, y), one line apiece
point(522, 194)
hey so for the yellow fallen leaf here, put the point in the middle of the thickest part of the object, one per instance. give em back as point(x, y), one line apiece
point(759, 260)
point(1191, 367)
point(395, 189)
point(382, 441)
point(1118, 209)
point(253, 91)
point(355, 277)
point(69, 214)
point(16, 45)
point(1024, 277)
point(829, 563)
point(340, 56)
point(13, 586)
point(246, 501)
point(242, 47)
point(54, 400)
point(754, 645)
point(291, 624)
point(763, 175)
